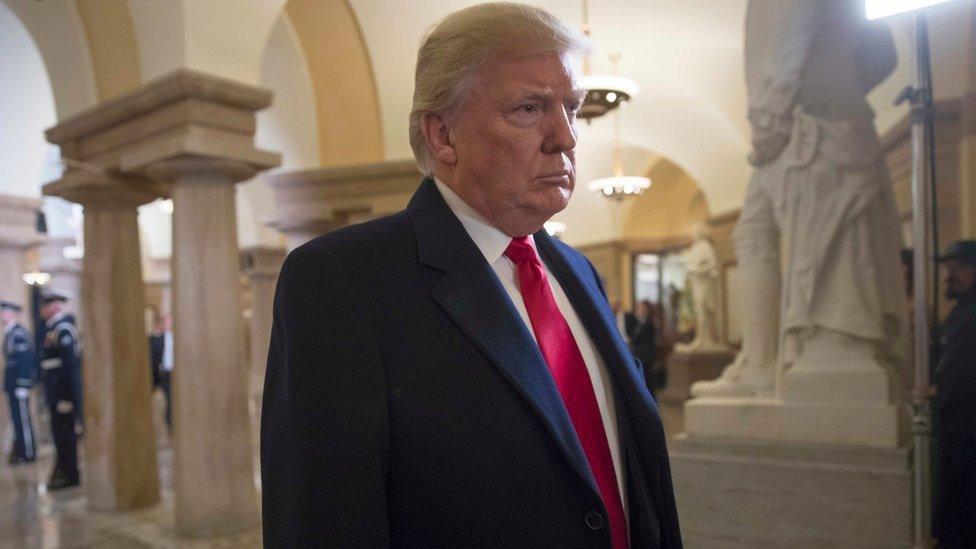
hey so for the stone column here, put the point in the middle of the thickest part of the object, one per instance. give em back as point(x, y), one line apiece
point(196, 132)
point(214, 475)
point(120, 469)
point(309, 203)
point(261, 264)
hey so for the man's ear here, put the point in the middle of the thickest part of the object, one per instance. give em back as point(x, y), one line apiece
point(438, 137)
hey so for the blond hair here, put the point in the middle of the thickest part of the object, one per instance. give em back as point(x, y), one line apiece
point(457, 46)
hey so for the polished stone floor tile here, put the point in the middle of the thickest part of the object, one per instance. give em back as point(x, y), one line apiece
point(30, 517)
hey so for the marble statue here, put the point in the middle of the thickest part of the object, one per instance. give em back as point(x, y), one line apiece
point(821, 193)
point(701, 268)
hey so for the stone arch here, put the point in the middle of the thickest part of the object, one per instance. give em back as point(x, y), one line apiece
point(59, 35)
point(112, 44)
point(346, 102)
point(670, 208)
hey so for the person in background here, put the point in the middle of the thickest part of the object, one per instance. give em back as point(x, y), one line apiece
point(643, 342)
point(161, 349)
point(623, 319)
point(18, 348)
point(954, 513)
point(156, 346)
point(61, 372)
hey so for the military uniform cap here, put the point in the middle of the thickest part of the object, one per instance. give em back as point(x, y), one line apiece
point(10, 306)
point(961, 250)
point(55, 295)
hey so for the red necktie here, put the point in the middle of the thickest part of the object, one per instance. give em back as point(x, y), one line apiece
point(572, 379)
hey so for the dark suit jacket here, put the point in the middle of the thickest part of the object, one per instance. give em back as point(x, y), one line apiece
point(406, 404)
point(643, 341)
point(157, 344)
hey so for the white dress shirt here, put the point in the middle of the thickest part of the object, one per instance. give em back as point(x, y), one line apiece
point(493, 243)
point(167, 363)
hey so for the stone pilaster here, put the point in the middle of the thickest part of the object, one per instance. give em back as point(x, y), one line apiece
point(261, 265)
point(120, 468)
point(309, 203)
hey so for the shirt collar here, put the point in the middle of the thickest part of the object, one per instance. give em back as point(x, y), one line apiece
point(490, 241)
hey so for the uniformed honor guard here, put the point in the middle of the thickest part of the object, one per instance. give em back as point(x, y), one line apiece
point(21, 367)
point(61, 372)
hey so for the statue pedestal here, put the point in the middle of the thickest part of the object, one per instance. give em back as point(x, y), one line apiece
point(824, 399)
point(771, 420)
point(735, 493)
point(687, 367)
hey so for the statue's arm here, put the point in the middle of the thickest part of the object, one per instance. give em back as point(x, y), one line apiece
point(771, 106)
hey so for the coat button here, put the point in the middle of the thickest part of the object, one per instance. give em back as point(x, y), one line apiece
point(594, 520)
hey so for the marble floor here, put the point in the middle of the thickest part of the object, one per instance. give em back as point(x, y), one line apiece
point(30, 517)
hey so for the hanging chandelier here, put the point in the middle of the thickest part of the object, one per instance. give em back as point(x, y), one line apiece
point(619, 186)
point(604, 92)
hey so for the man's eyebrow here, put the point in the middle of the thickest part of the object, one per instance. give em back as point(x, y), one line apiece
point(541, 94)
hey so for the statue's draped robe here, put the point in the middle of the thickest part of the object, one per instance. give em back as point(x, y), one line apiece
point(809, 64)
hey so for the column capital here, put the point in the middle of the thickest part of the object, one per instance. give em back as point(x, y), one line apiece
point(103, 189)
point(18, 222)
point(201, 169)
point(262, 261)
point(185, 114)
point(311, 202)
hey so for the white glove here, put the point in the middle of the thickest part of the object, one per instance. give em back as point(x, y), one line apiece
point(21, 392)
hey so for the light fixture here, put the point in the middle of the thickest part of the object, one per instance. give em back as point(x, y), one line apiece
point(554, 228)
point(166, 206)
point(619, 186)
point(604, 92)
point(36, 278)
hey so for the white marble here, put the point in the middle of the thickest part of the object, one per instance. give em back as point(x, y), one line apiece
point(823, 304)
point(701, 270)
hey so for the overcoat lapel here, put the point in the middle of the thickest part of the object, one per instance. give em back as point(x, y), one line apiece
point(471, 294)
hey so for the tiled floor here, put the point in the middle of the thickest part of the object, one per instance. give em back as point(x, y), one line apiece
point(32, 518)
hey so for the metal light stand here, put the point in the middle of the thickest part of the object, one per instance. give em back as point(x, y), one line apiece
point(920, 95)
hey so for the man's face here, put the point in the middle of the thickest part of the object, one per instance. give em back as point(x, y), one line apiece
point(48, 310)
point(959, 278)
point(514, 140)
point(6, 316)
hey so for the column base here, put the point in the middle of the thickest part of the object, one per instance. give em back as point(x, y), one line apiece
point(733, 493)
point(687, 367)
